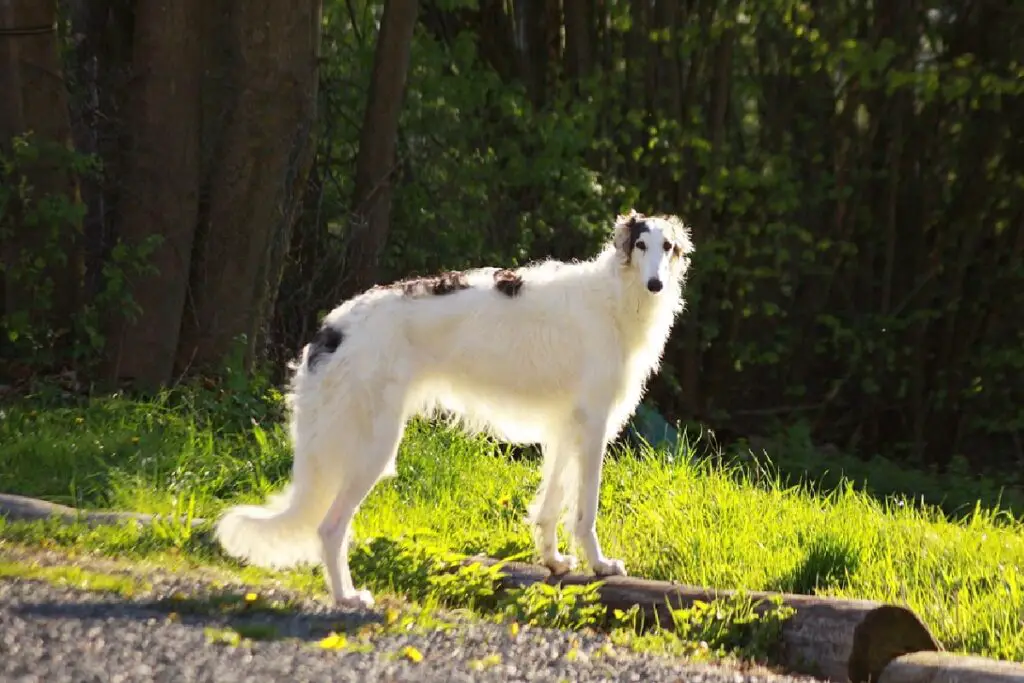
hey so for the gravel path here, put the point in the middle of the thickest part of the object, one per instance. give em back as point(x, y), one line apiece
point(51, 633)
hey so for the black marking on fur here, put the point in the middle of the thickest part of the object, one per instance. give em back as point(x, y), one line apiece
point(434, 285)
point(508, 282)
point(326, 341)
point(637, 225)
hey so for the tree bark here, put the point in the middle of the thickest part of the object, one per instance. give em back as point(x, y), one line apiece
point(259, 108)
point(35, 99)
point(531, 44)
point(579, 48)
point(371, 198)
point(100, 65)
point(159, 186)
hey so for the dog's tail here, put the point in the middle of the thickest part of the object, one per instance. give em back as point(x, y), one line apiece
point(281, 534)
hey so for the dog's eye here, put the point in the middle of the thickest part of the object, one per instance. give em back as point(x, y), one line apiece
point(641, 246)
point(667, 246)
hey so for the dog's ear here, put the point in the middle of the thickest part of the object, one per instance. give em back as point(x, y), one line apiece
point(627, 228)
point(680, 235)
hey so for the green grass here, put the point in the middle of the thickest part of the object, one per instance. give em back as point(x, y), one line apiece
point(75, 577)
point(666, 516)
point(957, 491)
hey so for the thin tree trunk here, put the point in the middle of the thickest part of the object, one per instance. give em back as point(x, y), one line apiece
point(371, 199)
point(160, 186)
point(531, 43)
point(693, 362)
point(579, 49)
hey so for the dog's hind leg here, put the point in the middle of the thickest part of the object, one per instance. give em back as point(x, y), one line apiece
point(361, 473)
point(546, 509)
point(589, 447)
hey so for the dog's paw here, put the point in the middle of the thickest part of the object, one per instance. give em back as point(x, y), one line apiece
point(610, 567)
point(361, 599)
point(561, 564)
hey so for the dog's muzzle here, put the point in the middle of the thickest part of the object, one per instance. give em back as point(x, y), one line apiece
point(654, 285)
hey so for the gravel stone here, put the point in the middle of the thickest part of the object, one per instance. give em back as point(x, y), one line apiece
point(51, 634)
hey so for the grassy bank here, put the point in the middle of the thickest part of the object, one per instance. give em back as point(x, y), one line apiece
point(667, 516)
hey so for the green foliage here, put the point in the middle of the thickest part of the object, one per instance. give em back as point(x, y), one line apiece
point(732, 626)
point(555, 606)
point(37, 223)
point(234, 397)
point(853, 178)
point(467, 585)
point(491, 178)
point(50, 321)
point(791, 457)
point(828, 563)
point(122, 264)
point(852, 190)
point(404, 565)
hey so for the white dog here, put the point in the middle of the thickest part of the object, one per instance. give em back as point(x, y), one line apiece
point(554, 353)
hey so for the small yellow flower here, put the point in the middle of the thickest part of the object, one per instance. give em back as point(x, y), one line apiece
point(79, 420)
point(251, 597)
point(135, 439)
point(513, 629)
point(412, 654)
point(485, 662)
point(334, 641)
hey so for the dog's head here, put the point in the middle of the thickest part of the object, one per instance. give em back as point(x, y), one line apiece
point(658, 248)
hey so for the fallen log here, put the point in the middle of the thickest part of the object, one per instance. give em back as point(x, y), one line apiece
point(945, 667)
point(839, 640)
point(22, 508)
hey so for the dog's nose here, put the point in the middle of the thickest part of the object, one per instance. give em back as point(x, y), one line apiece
point(654, 284)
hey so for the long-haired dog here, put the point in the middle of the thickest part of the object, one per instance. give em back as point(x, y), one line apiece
point(553, 353)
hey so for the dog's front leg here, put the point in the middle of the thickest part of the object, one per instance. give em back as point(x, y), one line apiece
point(591, 457)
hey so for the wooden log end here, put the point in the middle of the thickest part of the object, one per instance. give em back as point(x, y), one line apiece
point(946, 667)
point(885, 633)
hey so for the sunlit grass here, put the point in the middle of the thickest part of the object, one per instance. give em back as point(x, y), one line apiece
point(668, 516)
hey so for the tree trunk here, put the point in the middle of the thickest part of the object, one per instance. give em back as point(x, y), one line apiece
point(259, 107)
point(371, 200)
point(159, 186)
point(100, 67)
point(35, 99)
point(696, 373)
point(532, 46)
point(579, 49)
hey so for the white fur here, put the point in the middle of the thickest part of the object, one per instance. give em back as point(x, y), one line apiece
point(564, 364)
